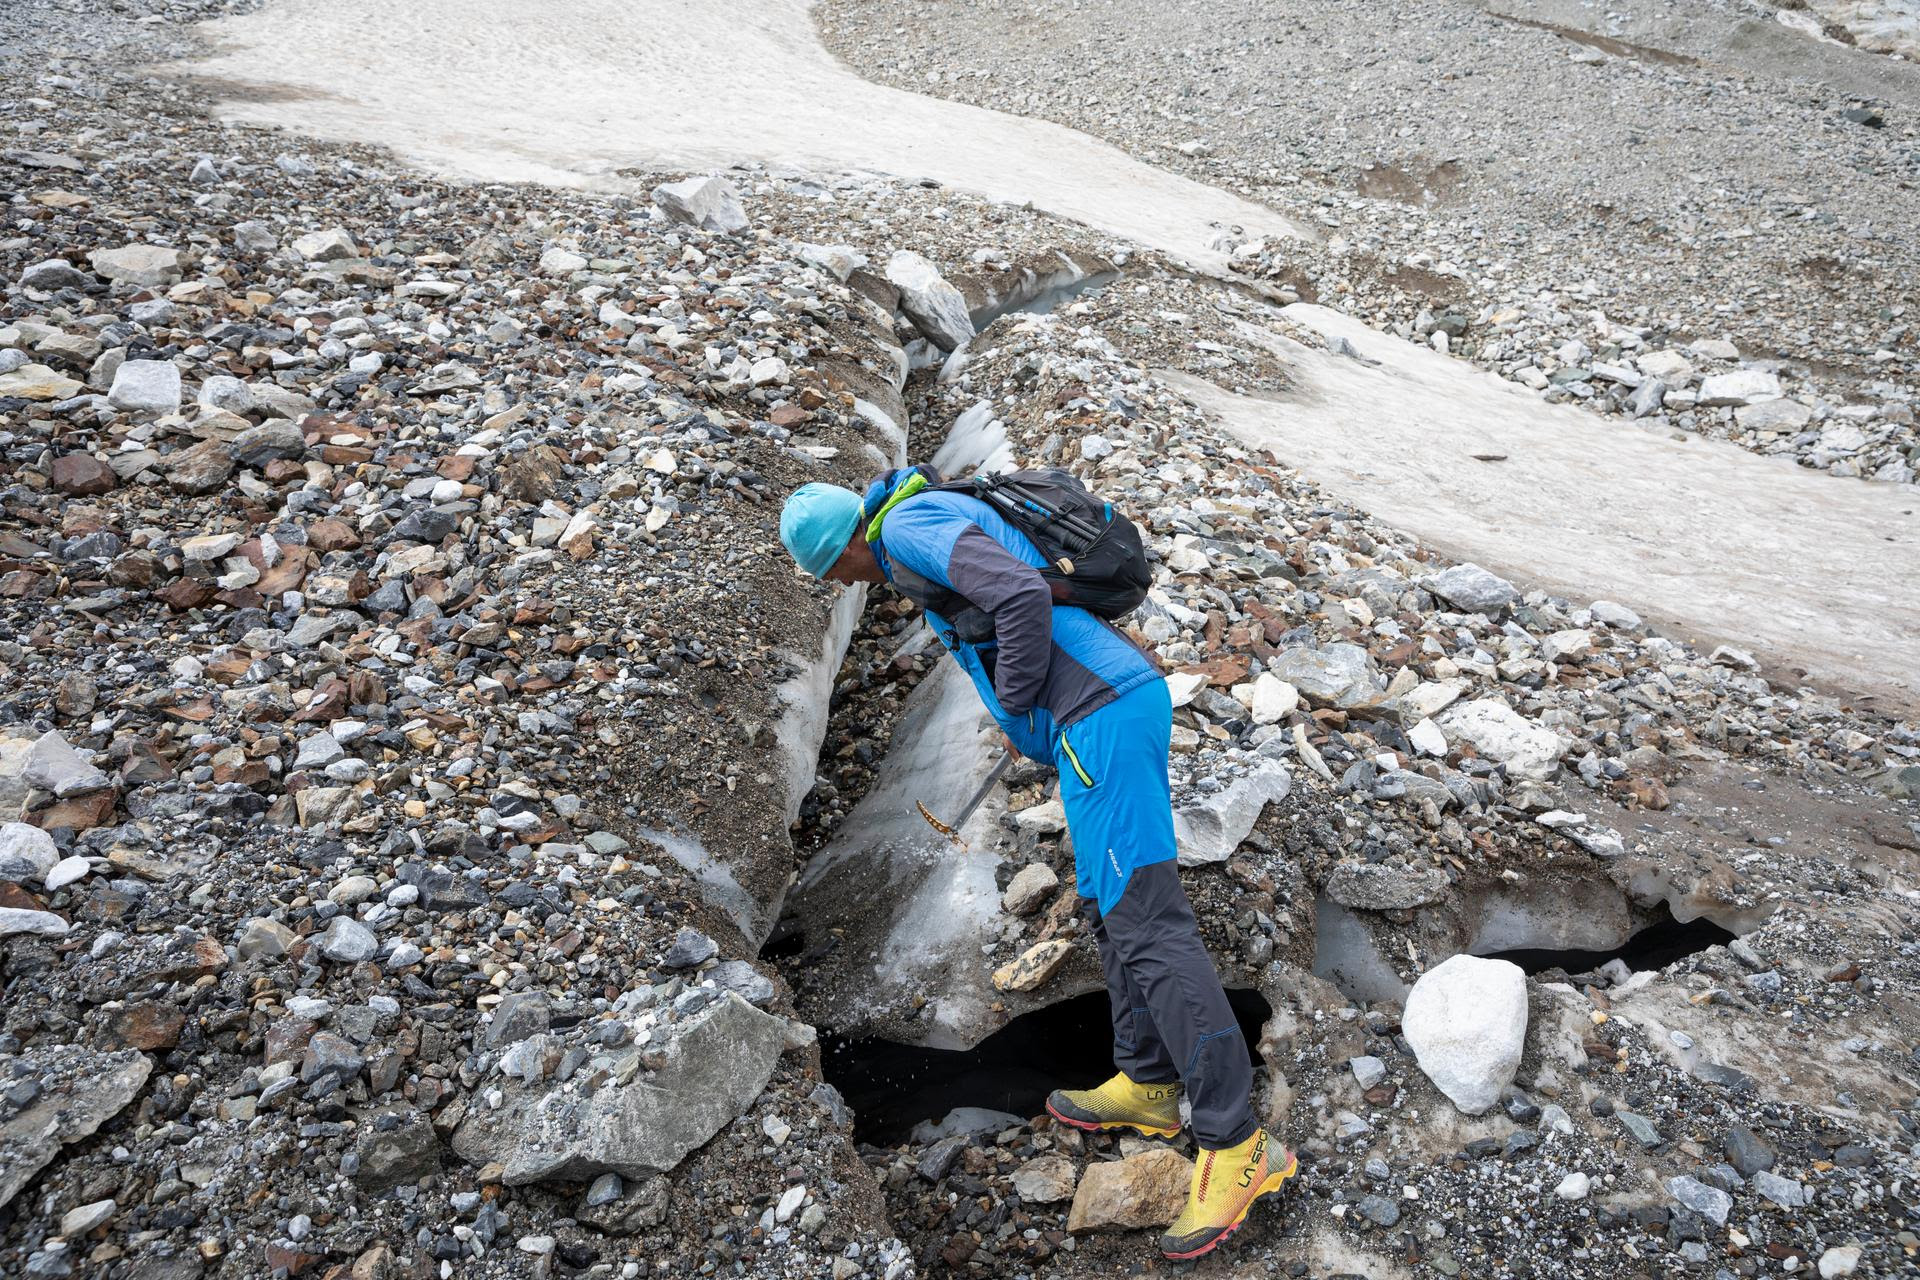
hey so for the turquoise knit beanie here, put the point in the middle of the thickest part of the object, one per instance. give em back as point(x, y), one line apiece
point(817, 523)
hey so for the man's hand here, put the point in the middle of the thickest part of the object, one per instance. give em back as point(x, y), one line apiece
point(1011, 749)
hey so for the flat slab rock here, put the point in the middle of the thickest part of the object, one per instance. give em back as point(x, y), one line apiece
point(641, 1122)
point(73, 1091)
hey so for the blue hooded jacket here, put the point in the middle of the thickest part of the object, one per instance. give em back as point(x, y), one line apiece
point(1046, 665)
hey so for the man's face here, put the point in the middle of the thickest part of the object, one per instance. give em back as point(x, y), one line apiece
point(846, 567)
point(856, 564)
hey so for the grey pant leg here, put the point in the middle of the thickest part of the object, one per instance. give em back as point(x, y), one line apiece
point(1138, 1049)
point(1152, 931)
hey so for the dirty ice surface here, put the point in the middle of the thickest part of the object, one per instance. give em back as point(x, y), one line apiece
point(501, 90)
point(1808, 571)
point(916, 910)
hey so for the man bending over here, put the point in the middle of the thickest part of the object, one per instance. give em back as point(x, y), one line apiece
point(1068, 687)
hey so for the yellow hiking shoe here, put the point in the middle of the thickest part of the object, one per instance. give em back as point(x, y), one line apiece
point(1120, 1103)
point(1225, 1185)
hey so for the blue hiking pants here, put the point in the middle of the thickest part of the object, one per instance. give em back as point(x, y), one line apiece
point(1171, 1018)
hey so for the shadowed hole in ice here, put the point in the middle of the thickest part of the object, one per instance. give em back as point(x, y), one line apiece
point(1654, 945)
point(1054, 291)
point(892, 1087)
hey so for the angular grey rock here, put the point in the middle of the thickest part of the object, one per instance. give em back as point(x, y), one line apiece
point(1385, 887)
point(1379, 1210)
point(26, 853)
point(254, 237)
point(1029, 889)
point(1711, 1203)
point(330, 245)
point(79, 1090)
point(199, 468)
point(54, 273)
point(937, 1160)
point(640, 1122)
point(150, 266)
point(55, 766)
point(1500, 733)
point(1774, 416)
point(1746, 1152)
point(1469, 587)
point(347, 941)
point(261, 937)
point(390, 1156)
point(1328, 675)
point(146, 386)
point(1045, 1180)
point(937, 308)
point(268, 442)
point(744, 980)
point(519, 1014)
point(842, 260)
point(626, 1210)
point(709, 203)
point(317, 751)
point(1466, 1019)
point(331, 1055)
point(1368, 1071)
point(690, 947)
point(967, 1121)
point(1788, 1193)
point(1210, 828)
point(75, 1223)
point(1641, 1129)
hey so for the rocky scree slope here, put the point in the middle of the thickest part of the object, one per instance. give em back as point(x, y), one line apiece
point(394, 596)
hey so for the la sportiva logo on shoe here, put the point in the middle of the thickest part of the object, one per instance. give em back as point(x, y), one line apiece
point(1253, 1160)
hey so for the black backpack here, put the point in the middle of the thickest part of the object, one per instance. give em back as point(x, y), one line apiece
point(1095, 558)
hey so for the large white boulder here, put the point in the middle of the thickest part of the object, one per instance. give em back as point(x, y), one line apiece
point(1497, 732)
point(1466, 1019)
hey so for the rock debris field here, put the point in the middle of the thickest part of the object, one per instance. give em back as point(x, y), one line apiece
point(440, 835)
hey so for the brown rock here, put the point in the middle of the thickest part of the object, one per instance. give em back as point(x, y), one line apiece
point(535, 475)
point(146, 1025)
point(1147, 1190)
point(186, 593)
point(137, 569)
point(83, 475)
point(332, 535)
point(81, 813)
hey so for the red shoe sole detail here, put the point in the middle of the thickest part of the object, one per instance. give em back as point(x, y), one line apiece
point(1103, 1127)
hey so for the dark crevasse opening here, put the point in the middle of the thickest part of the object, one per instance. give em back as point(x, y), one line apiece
point(892, 1087)
point(1654, 946)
